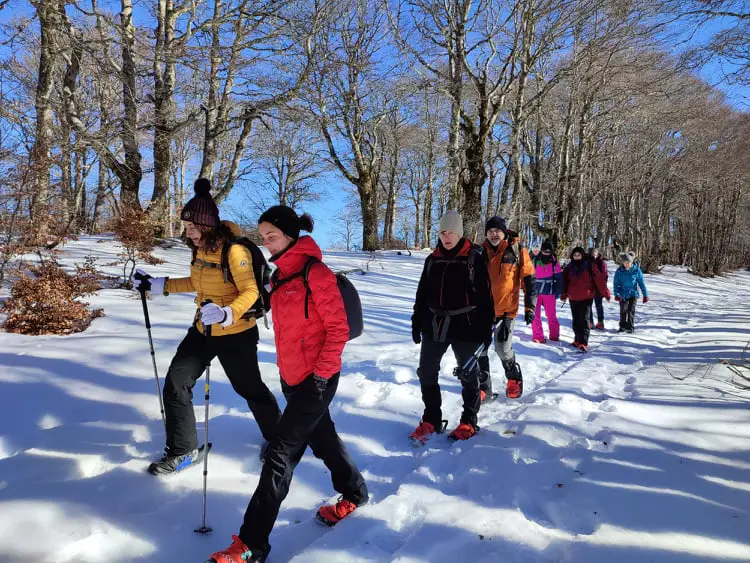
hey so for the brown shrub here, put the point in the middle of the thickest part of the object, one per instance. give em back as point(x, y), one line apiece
point(134, 229)
point(45, 299)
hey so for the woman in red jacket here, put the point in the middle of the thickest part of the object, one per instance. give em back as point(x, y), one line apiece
point(309, 344)
point(581, 282)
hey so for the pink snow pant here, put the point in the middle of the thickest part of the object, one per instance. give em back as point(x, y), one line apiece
point(549, 302)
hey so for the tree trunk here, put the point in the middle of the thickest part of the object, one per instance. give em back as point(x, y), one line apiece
point(101, 191)
point(130, 173)
point(47, 13)
point(369, 206)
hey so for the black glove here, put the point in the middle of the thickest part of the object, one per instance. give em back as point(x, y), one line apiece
point(488, 341)
point(320, 383)
point(416, 333)
point(503, 330)
point(528, 316)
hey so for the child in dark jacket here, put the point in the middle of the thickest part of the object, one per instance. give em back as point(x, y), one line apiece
point(628, 278)
point(581, 281)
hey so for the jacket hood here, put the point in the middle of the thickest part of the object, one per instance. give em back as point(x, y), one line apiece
point(233, 227)
point(296, 255)
point(461, 249)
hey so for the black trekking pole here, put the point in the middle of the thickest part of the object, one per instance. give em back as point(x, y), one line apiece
point(142, 279)
point(206, 445)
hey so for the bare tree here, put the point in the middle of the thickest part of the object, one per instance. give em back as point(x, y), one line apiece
point(287, 158)
point(344, 101)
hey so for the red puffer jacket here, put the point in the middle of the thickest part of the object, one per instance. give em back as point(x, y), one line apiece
point(313, 345)
point(581, 281)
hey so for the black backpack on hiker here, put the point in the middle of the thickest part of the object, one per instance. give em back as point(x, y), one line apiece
point(349, 295)
point(261, 271)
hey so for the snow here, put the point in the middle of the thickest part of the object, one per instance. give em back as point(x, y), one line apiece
point(636, 451)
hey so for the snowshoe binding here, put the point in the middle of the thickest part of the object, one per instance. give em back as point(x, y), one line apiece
point(175, 463)
point(514, 387)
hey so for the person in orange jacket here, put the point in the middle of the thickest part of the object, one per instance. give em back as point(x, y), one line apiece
point(510, 268)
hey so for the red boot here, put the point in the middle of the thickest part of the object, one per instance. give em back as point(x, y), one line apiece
point(238, 552)
point(514, 389)
point(332, 514)
point(463, 431)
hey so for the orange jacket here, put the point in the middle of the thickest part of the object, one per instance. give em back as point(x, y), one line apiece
point(507, 276)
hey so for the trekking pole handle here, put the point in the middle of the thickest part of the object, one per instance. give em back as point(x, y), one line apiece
point(142, 291)
point(206, 328)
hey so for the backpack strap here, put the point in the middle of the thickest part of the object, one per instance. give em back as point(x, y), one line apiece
point(305, 274)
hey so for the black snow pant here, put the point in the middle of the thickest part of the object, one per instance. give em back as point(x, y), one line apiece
point(581, 311)
point(599, 302)
point(627, 313)
point(306, 421)
point(238, 354)
point(429, 369)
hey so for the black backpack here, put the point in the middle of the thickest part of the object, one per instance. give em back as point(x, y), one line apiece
point(261, 271)
point(352, 302)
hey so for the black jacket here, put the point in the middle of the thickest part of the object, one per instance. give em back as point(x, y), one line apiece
point(454, 300)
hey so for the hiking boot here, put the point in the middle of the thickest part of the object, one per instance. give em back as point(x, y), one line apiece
point(238, 552)
point(332, 514)
point(539, 340)
point(599, 326)
point(574, 344)
point(175, 463)
point(423, 432)
point(583, 348)
point(463, 431)
point(514, 389)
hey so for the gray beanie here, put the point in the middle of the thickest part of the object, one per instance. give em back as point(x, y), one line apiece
point(452, 221)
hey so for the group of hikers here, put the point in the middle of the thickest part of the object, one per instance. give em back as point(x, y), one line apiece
point(467, 298)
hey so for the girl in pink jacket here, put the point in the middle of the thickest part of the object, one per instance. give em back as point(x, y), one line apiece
point(548, 287)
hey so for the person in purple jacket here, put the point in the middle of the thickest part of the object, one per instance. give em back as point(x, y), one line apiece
point(598, 262)
point(548, 287)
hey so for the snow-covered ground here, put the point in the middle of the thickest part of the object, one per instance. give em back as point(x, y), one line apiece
point(637, 451)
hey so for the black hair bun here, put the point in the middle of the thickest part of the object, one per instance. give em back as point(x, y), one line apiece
point(306, 222)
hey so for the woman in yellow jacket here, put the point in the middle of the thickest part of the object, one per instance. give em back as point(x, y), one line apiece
point(234, 338)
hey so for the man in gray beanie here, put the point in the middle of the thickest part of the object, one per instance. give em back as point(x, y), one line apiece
point(453, 308)
point(452, 222)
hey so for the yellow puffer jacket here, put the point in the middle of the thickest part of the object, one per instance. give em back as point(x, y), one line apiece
point(208, 283)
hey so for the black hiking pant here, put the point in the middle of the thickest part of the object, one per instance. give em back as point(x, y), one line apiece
point(627, 313)
point(581, 311)
point(306, 421)
point(599, 302)
point(429, 369)
point(238, 354)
